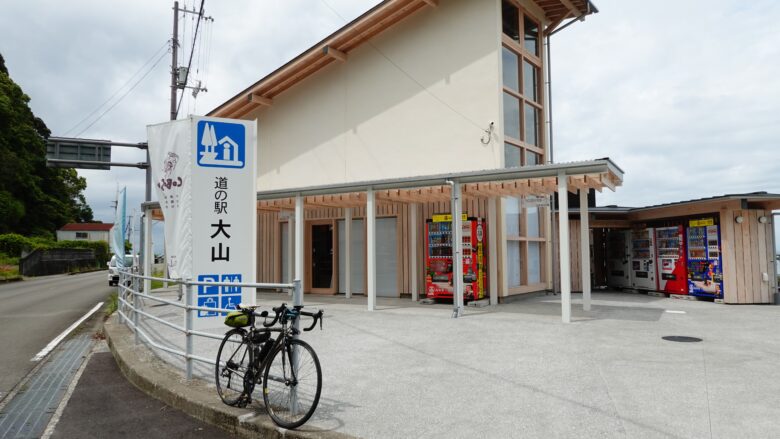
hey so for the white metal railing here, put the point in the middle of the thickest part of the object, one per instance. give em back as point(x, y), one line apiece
point(130, 310)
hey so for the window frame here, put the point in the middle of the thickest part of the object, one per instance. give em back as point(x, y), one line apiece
point(524, 56)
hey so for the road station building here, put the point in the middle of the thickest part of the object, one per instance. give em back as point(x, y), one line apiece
point(418, 125)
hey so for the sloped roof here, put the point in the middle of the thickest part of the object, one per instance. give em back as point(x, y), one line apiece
point(751, 197)
point(86, 227)
point(337, 45)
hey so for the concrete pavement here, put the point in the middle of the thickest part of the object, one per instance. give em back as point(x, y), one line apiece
point(105, 405)
point(35, 311)
point(409, 370)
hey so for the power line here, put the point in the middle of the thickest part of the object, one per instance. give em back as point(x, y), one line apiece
point(192, 50)
point(151, 58)
point(124, 95)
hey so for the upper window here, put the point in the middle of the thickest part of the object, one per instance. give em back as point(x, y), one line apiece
point(82, 235)
point(530, 81)
point(511, 73)
point(511, 18)
point(531, 33)
point(521, 72)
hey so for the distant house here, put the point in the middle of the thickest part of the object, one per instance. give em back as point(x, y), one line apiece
point(85, 232)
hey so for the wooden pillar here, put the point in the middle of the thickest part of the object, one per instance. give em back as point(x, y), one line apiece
point(563, 245)
point(299, 273)
point(371, 249)
point(348, 252)
point(492, 233)
point(585, 249)
point(457, 251)
point(413, 251)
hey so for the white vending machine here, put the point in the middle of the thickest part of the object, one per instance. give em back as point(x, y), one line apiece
point(643, 270)
point(618, 256)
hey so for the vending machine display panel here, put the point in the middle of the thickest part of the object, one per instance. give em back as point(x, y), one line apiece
point(438, 261)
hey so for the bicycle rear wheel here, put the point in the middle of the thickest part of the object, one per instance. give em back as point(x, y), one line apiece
point(233, 360)
point(292, 383)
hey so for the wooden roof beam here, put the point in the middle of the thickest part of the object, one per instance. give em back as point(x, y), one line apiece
point(570, 6)
point(606, 180)
point(432, 3)
point(260, 100)
point(334, 53)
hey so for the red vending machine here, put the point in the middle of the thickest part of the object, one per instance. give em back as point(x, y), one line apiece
point(670, 260)
point(438, 258)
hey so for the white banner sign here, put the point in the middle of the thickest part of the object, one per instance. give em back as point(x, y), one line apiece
point(205, 174)
point(535, 201)
point(118, 232)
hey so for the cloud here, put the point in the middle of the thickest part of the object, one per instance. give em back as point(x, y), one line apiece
point(684, 98)
point(686, 102)
point(70, 57)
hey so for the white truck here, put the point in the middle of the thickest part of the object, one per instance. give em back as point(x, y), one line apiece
point(113, 270)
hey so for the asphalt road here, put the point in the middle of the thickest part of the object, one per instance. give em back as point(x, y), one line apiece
point(34, 312)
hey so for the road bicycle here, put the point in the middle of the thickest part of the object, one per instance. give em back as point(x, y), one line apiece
point(287, 368)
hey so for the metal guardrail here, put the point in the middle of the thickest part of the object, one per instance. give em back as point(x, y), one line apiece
point(130, 310)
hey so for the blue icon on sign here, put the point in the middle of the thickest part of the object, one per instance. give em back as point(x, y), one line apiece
point(235, 278)
point(221, 144)
point(207, 302)
point(208, 290)
point(230, 302)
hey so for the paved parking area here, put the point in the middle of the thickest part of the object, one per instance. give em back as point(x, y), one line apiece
point(409, 370)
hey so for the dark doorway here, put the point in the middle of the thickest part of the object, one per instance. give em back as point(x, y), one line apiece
point(321, 256)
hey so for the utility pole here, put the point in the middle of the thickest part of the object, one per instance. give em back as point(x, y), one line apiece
point(174, 62)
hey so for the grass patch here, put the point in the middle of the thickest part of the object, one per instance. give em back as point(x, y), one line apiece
point(9, 267)
point(158, 283)
point(112, 303)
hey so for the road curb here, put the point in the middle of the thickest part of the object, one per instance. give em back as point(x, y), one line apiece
point(160, 380)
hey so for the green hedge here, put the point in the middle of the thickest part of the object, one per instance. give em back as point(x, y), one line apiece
point(12, 245)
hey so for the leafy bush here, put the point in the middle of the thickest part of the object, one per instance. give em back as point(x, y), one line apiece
point(12, 244)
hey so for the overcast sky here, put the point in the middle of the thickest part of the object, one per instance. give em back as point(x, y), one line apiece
point(683, 95)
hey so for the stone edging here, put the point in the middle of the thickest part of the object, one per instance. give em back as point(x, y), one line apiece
point(160, 380)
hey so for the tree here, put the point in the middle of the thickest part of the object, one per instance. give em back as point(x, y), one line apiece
point(34, 199)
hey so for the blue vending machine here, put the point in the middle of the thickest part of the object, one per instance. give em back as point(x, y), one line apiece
point(705, 267)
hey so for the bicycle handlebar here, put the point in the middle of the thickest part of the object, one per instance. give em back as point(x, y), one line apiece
point(280, 312)
point(317, 316)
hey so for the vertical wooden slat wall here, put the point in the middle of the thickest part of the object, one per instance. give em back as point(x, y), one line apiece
point(574, 255)
point(268, 251)
point(269, 236)
point(729, 257)
point(747, 252)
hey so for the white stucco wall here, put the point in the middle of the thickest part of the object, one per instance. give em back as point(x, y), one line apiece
point(92, 236)
point(413, 101)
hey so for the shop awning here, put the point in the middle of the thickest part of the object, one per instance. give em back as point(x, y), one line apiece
point(540, 180)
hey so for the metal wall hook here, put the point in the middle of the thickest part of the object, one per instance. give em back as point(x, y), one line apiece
point(488, 134)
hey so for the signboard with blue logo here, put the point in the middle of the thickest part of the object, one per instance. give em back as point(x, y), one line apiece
point(205, 172)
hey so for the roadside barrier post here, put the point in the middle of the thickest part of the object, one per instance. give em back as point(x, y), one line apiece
point(188, 323)
point(134, 292)
point(120, 294)
point(297, 301)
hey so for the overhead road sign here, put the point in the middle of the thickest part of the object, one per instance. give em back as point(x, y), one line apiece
point(65, 152)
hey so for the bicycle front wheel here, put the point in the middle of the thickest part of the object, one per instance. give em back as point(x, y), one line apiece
point(233, 360)
point(292, 383)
